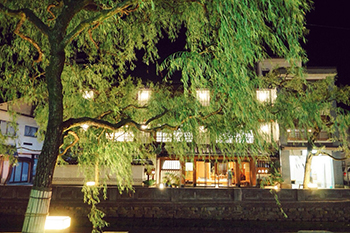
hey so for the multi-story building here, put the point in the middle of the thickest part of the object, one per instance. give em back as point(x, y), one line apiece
point(205, 167)
point(21, 132)
point(213, 170)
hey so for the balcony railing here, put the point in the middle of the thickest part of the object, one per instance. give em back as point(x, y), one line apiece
point(302, 135)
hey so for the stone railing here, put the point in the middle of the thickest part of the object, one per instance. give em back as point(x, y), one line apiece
point(193, 203)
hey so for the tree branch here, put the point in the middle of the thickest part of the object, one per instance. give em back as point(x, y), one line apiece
point(29, 15)
point(90, 34)
point(104, 14)
point(337, 159)
point(17, 32)
point(78, 122)
point(76, 139)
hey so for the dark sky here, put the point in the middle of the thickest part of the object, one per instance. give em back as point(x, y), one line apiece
point(328, 41)
point(329, 37)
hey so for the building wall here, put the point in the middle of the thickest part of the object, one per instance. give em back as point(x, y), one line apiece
point(27, 146)
point(72, 175)
point(189, 203)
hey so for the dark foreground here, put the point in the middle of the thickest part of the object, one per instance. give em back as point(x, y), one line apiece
point(10, 224)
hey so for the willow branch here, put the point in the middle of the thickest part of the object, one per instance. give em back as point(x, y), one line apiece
point(90, 35)
point(76, 139)
point(29, 15)
point(78, 122)
point(103, 15)
point(48, 9)
point(337, 159)
point(17, 32)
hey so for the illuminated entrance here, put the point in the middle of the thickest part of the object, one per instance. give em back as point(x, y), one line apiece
point(219, 173)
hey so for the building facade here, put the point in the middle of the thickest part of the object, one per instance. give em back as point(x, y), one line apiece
point(21, 133)
point(204, 168)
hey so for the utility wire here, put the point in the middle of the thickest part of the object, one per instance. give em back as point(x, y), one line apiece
point(331, 27)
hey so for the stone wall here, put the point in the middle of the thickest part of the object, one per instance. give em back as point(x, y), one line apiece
point(193, 203)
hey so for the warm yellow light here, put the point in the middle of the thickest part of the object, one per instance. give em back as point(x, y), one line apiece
point(312, 186)
point(288, 130)
point(90, 183)
point(161, 186)
point(203, 96)
point(144, 96)
point(57, 222)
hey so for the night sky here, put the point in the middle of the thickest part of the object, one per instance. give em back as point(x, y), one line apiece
point(328, 42)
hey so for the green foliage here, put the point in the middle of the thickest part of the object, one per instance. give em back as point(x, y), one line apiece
point(224, 40)
point(171, 179)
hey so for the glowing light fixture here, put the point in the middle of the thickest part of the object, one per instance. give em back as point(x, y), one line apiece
point(144, 96)
point(88, 94)
point(312, 186)
point(85, 126)
point(161, 186)
point(203, 96)
point(90, 183)
point(57, 222)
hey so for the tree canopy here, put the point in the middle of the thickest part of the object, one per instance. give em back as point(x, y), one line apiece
point(54, 52)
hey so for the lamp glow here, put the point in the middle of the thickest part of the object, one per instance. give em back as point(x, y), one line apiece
point(161, 186)
point(312, 186)
point(85, 126)
point(57, 222)
point(90, 183)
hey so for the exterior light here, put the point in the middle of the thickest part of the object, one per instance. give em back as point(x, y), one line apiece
point(88, 94)
point(57, 222)
point(144, 96)
point(161, 186)
point(91, 183)
point(203, 96)
point(85, 126)
point(312, 186)
point(288, 130)
point(309, 130)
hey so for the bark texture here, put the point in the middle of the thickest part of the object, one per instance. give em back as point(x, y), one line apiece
point(34, 218)
point(38, 207)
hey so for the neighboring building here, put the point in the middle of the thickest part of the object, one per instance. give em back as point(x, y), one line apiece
point(26, 143)
point(325, 172)
point(212, 170)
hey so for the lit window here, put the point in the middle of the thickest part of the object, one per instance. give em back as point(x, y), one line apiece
point(266, 95)
point(144, 96)
point(189, 166)
point(120, 136)
point(88, 95)
point(225, 138)
point(245, 137)
point(176, 136)
point(203, 96)
point(163, 137)
point(171, 165)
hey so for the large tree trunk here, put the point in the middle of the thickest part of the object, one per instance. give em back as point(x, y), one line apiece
point(39, 200)
point(307, 171)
